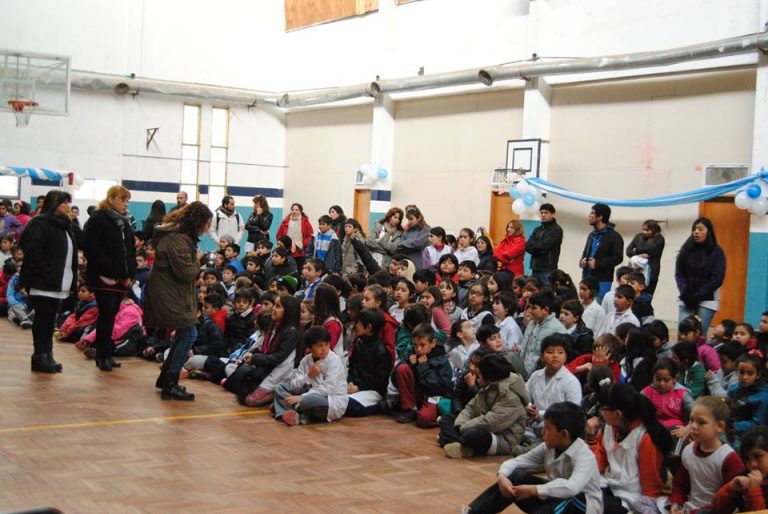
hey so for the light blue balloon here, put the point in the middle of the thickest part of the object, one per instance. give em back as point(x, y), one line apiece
point(529, 199)
point(754, 191)
point(382, 173)
point(513, 193)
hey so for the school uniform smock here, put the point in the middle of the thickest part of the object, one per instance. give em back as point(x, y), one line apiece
point(562, 387)
point(594, 316)
point(467, 254)
point(570, 473)
point(630, 467)
point(615, 319)
point(330, 383)
point(702, 474)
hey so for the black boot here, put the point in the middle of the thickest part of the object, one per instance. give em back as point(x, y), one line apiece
point(173, 391)
point(40, 363)
point(49, 359)
point(114, 363)
point(103, 363)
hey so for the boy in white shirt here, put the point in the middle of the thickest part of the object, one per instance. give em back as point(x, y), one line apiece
point(594, 315)
point(569, 464)
point(622, 313)
point(318, 387)
point(552, 384)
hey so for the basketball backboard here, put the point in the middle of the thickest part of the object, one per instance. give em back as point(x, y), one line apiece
point(35, 77)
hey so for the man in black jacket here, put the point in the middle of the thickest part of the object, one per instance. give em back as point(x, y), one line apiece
point(544, 244)
point(604, 249)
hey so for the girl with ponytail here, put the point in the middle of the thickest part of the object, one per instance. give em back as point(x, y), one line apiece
point(630, 450)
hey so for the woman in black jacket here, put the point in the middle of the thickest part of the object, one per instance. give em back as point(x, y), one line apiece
point(49, 272)
point(258, 223)
point(111, 256)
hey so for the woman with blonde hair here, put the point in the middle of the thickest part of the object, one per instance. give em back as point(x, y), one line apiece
point(510, 252)
point(111, 255)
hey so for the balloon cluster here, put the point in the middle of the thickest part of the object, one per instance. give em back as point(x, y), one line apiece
point(73, 181)
point(370, 173)
point(754, 198)
point(527, 199)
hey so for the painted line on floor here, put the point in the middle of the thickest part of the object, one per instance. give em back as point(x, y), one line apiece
point(134, 421)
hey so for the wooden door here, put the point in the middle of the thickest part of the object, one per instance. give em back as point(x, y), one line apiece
point(732, 231)
point(501, 214)
point(362, 208)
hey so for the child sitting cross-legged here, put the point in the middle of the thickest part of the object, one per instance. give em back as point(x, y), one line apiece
point(564, 457)
point(708, 463)
point(493, 422)
point(318, 387)
point(369, 365)
point(423, 378)
point(552, 384)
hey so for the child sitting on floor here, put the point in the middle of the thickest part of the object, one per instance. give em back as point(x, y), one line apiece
point(604, 352)
point(369, 365)
point(423, 378)
point(749, 490)
point(85, 314)
point(749, 396)
point(564, 457)
point(463, 334)
point(318, 387)
point(493, 422)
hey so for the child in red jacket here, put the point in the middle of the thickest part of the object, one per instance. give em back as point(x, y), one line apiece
point(85, 314)
point(604, 352)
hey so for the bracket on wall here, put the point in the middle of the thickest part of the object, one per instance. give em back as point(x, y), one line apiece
point(151, 135)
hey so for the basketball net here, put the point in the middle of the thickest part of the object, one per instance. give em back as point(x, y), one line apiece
point(23, 110)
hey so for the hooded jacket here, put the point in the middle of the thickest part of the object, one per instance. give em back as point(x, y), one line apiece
point(608, 255)
point(499, 408)
point(170, 300)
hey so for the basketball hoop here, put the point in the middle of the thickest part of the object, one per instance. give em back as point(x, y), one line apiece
point(23, 110)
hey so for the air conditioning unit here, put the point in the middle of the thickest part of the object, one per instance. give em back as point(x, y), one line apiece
point(717, 174)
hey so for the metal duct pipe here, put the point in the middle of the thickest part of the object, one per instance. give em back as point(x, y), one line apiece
point(712, 49)
point(119, 85)
point(322, 96)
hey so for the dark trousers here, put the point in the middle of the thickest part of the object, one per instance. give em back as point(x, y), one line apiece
point(478, 439)
point(45, 315)
point(109, 304)
point(491, 500)
point(612, 504)
point(355, 409)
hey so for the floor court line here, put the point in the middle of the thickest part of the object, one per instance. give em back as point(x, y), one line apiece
point(134, 421)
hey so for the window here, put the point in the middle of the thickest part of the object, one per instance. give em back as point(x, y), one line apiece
point(217, 180)
point(10, 187)
point(94, 189)
point(190, 150)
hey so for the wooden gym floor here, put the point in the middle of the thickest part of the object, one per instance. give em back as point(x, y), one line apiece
point(88, 441)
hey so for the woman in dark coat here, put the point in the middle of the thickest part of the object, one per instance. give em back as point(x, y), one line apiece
point(649, 244)
point(111, 255)
point(156, 214)
point(258, 223)
point(699, 273)
point(49, 273)
point(170, 301)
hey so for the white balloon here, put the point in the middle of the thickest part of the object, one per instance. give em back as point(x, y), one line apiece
point(534, 191)
point(518, 207)
point(763, 186)
point(523, 187)
point(741, 200)
point(759, 206)
point(79, 180)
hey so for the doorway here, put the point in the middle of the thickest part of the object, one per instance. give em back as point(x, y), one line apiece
point(362, 207)
point(732, 230)
point(501, 214)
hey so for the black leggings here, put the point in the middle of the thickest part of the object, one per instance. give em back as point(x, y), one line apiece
point(109, 304)
point(45, 317)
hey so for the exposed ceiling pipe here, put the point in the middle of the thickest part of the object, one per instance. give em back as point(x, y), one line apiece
point(120, 85)
point(117, 84)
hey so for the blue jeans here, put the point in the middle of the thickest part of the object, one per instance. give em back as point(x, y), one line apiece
point(604, 288)
point(183, 340)
point(704, 314)
point(312, 405)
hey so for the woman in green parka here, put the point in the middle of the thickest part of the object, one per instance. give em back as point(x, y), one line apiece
point(170, 300)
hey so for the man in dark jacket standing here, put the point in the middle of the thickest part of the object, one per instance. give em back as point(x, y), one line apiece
point(604, 249)
point(544, 244)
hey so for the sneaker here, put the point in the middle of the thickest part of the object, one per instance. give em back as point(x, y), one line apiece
point(26, 324)
point(291, 418)
point(408, 416)
point(457, 451)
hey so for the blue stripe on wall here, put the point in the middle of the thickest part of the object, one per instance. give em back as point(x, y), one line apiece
point(269, 192)
point(146, 185)
point(45, 183)
point(757, 278)
point(381, 195)
point(202, 189)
